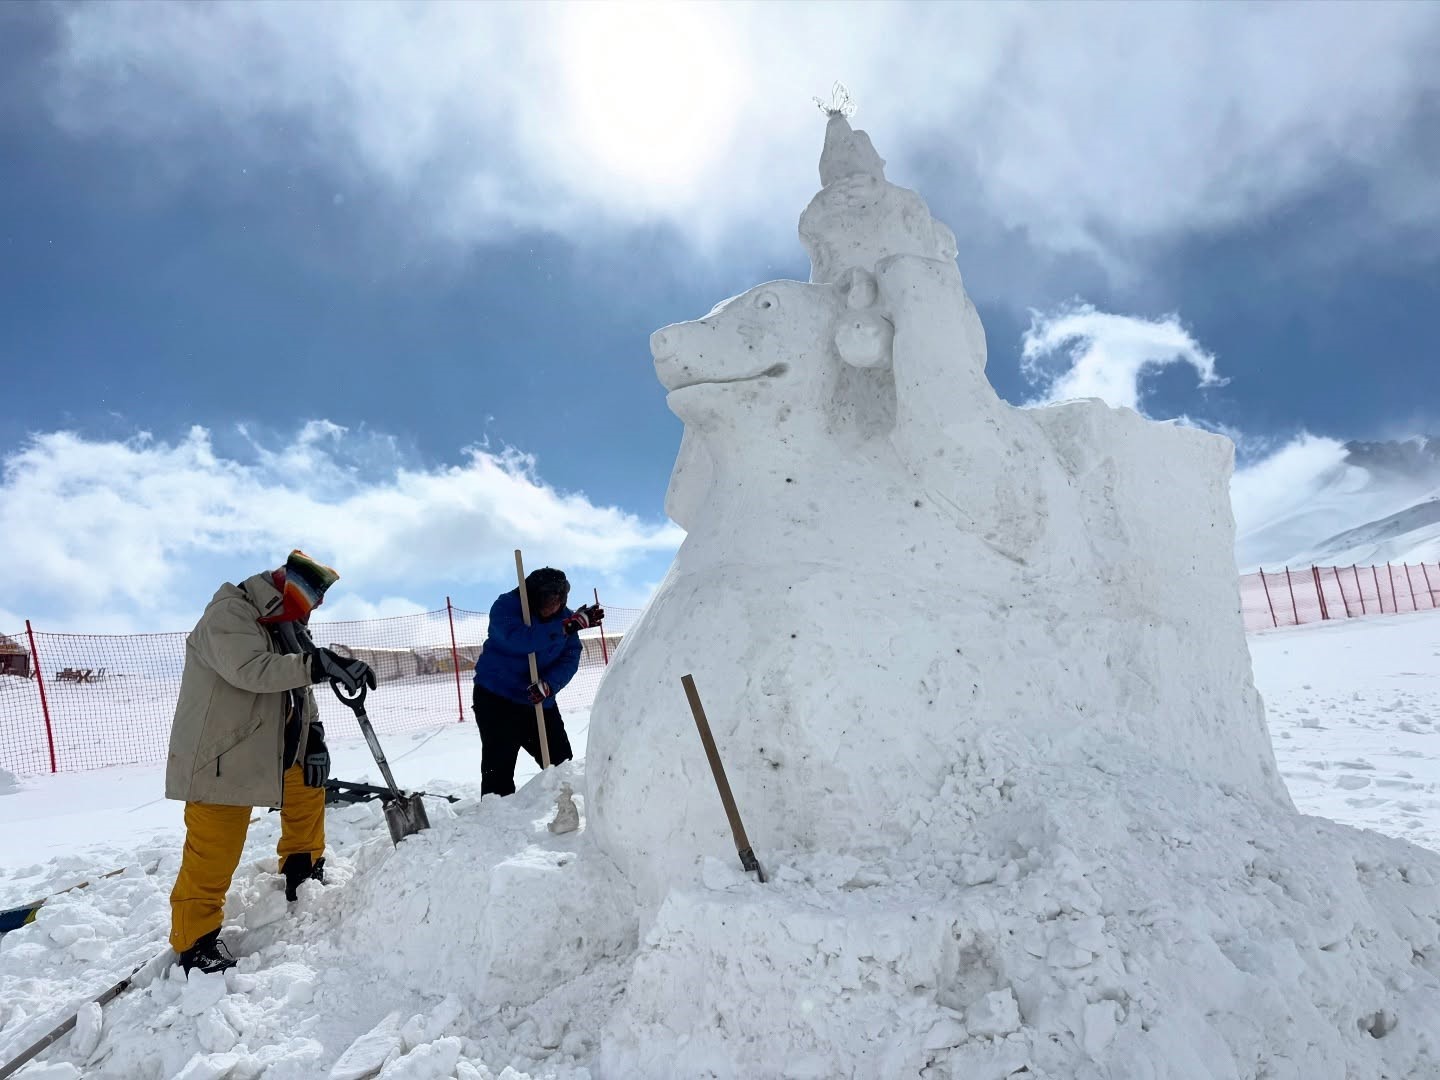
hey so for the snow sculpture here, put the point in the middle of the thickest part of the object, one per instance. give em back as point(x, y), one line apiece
point(884, 560)
point(980, 684)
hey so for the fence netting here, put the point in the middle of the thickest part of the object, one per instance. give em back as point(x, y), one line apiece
point(1291, 597)
point(95, 700)
point(70, 702)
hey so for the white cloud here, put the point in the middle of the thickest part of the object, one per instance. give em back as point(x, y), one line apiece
point(1090, 126)
point(1107, 355)
point(1286, 496)
point(118, 535)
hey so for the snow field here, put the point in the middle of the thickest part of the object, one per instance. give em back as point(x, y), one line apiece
point(1099, 923)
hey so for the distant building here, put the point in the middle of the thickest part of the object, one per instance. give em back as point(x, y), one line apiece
point(13, 659)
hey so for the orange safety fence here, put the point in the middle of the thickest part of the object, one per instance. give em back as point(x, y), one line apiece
point(71, 702)
point(1270, 599)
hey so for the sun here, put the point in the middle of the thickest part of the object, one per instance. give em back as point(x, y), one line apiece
point(653, 90)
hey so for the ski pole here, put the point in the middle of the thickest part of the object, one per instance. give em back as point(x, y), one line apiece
point(534, 670)
point(737, 828)
point(11, 1067)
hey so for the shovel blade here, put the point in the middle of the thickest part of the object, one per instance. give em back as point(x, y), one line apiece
point(405, 816)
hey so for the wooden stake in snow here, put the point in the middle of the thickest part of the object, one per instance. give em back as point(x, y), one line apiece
point(737, 828)
point(534, 671)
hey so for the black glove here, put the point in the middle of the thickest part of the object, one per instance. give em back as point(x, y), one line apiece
point(538, 690)
point(349, 672)
point(584, 617)
point(316, 763)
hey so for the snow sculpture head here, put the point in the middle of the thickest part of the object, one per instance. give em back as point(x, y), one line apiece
point(784, 367)
point(884, 562)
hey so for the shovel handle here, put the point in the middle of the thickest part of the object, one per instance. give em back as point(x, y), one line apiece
point(363, 719)
point(534, 670)
point(356, 700)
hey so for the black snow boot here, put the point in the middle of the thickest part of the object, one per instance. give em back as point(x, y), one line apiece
point(298, 868)
point(207, 955)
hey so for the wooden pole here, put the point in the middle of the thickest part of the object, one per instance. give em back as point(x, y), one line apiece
point(534, 671)
point(737, 827)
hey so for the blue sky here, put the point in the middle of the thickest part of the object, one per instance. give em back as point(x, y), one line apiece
point(378, 281)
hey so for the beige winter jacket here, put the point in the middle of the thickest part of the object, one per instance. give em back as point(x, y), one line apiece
point(228, 740)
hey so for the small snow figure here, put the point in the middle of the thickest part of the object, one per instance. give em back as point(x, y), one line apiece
point(841, 103)
point(567, 816)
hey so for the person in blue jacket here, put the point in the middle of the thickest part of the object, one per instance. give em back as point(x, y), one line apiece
point(505, 696)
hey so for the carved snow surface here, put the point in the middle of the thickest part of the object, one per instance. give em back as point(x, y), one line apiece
point(980, 685)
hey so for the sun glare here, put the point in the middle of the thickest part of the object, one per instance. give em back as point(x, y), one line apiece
point(653, 92)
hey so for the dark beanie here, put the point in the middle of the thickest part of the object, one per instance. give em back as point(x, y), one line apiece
point(547, 583)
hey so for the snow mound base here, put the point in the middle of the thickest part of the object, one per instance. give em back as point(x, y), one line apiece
point(1105, 921)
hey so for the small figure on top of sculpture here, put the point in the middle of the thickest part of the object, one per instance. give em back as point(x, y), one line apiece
point(505, 693)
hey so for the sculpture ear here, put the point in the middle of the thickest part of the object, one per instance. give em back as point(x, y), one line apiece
point(864, 337)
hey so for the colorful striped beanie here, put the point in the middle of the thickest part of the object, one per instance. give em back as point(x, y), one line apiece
point(302, 583)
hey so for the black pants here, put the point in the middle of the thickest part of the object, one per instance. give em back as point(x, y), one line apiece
point(505, 729)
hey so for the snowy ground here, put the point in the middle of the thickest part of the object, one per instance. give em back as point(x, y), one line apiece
point(388, 948)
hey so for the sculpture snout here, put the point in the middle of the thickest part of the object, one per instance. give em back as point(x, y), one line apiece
point(664, 343)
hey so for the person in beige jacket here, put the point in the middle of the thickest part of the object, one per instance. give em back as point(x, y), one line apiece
point(246, 734)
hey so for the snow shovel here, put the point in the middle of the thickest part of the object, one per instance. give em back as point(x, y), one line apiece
point(405, 814)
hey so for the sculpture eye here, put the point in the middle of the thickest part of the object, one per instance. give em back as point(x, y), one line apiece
point(767, 301)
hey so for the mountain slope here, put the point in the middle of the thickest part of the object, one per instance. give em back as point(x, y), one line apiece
point(1380, 502)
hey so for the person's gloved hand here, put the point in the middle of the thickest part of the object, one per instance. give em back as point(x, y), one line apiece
point(585, 616)
point(538, 690)
point(347, 671)
point(316, 762)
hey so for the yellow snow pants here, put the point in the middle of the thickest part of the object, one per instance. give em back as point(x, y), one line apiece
point(214, 839)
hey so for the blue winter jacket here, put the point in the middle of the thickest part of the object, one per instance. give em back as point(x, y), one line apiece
point(504, 667)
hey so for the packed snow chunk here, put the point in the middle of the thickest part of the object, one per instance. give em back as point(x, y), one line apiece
point(210, 1067)
point(427, 1027)
point(202, 991)
point(368, 1054)
point(55, 1070)
point(9, 782)
point(214, 1033)
point(269, 907)
point(89, 1026)
point(994, 1014)
point(433, 1061)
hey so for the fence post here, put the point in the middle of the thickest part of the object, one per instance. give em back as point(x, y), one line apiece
point(1291, 586)
point(1415, 604)
point(1319, 592)
point(1273, 621)
point(455, 659)
point(1355, 570)
point(1379, 596)
point(1394, 604)
point(44, 704)
point(1428, 587)
point(604, 650)
point(1340, 581)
